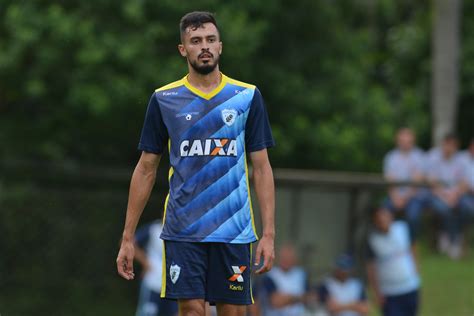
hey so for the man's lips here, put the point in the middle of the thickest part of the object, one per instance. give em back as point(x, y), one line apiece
point(205, 56)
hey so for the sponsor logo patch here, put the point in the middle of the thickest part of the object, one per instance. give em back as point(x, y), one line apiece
point(238, 274)
point(233, 287)
point(208, 147)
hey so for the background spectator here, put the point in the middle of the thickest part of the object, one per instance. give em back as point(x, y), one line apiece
point(343, 294)
point(392, 268)
point(148, 252)
point(405, 163)
point(447, 175)
point(286, 286)
point(467, 200)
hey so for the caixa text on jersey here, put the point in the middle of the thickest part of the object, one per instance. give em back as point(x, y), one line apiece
point(209, 147)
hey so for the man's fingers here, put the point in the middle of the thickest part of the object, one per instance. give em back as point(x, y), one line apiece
point(124, 269)
point(267, 263)
point(258, 254)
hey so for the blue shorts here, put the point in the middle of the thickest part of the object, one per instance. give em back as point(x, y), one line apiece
point(215, 272)
point(401, 305)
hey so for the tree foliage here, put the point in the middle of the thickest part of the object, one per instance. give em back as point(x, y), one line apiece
point(338, 77)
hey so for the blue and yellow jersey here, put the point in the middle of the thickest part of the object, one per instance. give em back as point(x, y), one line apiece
point(208, 136)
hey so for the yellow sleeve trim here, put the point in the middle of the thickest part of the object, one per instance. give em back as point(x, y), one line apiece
point(240, 83)
point(172, 85)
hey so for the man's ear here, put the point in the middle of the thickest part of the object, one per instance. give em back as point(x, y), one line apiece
point(220, 48)
point(182, 50)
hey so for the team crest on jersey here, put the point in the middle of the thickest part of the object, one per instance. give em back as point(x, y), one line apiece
point(174, 272)
point(228, 116)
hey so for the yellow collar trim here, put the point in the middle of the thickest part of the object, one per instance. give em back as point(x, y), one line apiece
point(210, 95)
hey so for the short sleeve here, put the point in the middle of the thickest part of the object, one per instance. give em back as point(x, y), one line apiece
point(142, 235)
point(406, 231)
point(386, 165)
point(258, 133)
point(154, 133)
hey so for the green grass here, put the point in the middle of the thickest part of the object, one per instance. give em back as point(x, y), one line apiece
point(447, 285)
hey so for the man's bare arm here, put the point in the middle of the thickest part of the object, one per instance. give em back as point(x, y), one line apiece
point(373, 283)
point(142, 182)
point(265, 189)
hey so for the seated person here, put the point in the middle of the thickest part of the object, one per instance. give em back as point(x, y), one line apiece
point(285, 287)
point(467, 201)
point(449, 184)
point(342, 294)
point(405, 163)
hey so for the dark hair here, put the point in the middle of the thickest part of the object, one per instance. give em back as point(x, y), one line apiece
point(375, 209)
point(195, 20)
point(450, 137)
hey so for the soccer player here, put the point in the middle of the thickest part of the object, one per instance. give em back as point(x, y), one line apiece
point(343, 294)
point(148, 251)
point(405, 163)
point(392, 269)
point(209, 122)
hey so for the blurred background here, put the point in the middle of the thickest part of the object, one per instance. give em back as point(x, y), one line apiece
point(338, 77)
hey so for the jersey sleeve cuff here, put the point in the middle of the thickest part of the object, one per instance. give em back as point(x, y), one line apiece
point(260, 146)
point(150, 149)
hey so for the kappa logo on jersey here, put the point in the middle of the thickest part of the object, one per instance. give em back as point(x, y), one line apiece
point(174, 272)
point(228, 116)
point(209, 147)
point(238, 273)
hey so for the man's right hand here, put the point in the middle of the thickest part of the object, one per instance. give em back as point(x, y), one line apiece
point(125, 260)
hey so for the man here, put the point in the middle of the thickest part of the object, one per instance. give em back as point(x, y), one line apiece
point(148, 251)
point(392, 269)
point(209, 123)
point(342, 294)
point(467, 201)
point(286, 286)
point(447, 175)
point(405, 163)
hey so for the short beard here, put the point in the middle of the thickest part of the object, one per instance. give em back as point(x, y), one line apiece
point(204, 69)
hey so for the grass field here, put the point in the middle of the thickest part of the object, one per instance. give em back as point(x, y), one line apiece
point(448, 286)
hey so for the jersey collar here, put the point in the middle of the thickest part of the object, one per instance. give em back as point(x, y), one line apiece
point(210, 95)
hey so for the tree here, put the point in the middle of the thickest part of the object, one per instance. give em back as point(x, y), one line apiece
point(445, 67)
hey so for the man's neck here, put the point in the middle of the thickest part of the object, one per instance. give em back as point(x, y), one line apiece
point(205, 83)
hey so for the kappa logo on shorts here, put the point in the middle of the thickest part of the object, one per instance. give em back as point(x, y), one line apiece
point(238, 273)
point(174, 272)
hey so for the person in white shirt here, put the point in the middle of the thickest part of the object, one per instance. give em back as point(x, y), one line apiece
point(342, 294)
point(405, 163)
point(285, 287)
point(148, 252)
point(392, 269)
point(447, 176)
point(467, 201)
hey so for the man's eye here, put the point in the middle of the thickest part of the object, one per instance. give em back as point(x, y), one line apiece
point(212, 40)
point(195, 41)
